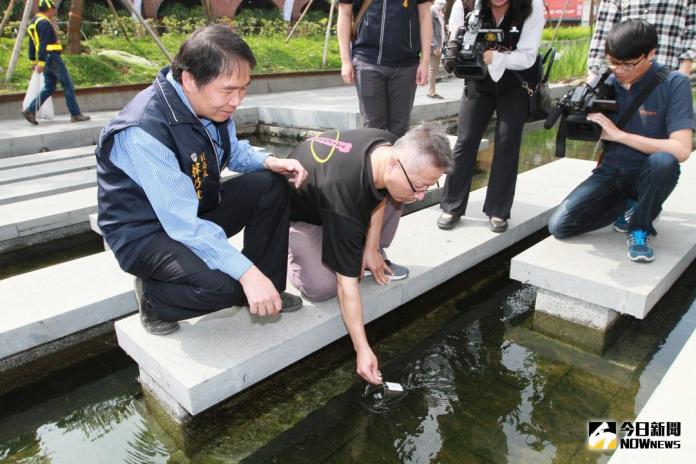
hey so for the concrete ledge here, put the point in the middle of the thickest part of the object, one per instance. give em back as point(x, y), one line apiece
point(36, 159)
point(673, 400)
point(44, 186)
point(21, 138)
point(51, 303)
point(215, 356)
point(594, 267)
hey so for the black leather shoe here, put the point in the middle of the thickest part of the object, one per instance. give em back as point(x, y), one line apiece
point(290, 302)
point(30, 116)
point(497, 225)
point(150, 323)
point(447, 221)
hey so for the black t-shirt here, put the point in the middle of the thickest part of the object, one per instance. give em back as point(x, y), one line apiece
point(339, 193)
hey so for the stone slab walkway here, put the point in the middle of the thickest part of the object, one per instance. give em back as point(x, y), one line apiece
point(594, 267)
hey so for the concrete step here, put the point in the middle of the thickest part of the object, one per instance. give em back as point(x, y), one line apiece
point(594, 268)
point(39, 220)
point(45, 186)
point(21, 138)
point(36, 171)
point(48, 304)
point(14, 162)
point(215, 356)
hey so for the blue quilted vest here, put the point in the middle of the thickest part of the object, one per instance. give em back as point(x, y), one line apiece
point(126, 218)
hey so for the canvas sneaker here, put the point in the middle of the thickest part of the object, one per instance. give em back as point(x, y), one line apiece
point(399, 272)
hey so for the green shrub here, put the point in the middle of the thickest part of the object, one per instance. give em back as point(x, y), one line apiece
point(566, 33)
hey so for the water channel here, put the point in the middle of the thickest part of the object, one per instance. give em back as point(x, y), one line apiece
point(482, 385)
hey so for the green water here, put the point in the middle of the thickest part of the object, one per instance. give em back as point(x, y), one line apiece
point(483, 387)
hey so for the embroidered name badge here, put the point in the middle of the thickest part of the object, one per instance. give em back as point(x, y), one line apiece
point(199, 170)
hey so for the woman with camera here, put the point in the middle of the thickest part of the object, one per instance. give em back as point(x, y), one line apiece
point(521, 23)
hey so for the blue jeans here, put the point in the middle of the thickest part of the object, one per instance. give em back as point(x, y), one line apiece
point(55, 71)
point(602, 197)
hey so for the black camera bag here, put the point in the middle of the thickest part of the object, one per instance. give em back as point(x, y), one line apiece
point(540, 101)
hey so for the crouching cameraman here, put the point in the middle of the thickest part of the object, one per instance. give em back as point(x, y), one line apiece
point(641, 161)
point(520, 23)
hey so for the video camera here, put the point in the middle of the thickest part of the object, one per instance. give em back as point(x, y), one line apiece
point(574, 106)
point(463, 55)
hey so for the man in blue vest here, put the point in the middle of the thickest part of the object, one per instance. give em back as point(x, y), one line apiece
point(44, 53)
point(163, 207)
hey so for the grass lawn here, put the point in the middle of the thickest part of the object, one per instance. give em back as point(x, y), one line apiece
point(91, 70)
point(272, 53)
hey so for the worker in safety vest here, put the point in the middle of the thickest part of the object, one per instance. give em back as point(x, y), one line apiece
point(44, 53)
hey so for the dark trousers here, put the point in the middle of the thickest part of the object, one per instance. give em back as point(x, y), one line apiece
point(54, 72)
point(600, 198)
point(386, 95)
point(511, 106)
point(180, 285)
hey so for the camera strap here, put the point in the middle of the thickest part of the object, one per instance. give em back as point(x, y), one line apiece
point(359, 18)
point(658, 78)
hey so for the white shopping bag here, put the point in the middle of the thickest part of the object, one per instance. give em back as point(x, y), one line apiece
point(35, 85)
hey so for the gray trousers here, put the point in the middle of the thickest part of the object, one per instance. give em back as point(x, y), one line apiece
point(386, 95)
point(307, 272)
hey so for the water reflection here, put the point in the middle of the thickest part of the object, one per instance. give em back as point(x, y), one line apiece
point(487, 388)
point(98, 421)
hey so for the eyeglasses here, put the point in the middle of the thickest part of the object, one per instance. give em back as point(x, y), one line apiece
point(408, 179)
point(628, 67)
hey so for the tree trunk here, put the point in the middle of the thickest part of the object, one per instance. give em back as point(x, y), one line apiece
point(153, 34)
point(207, 10)
point(28, 9)
point(77, 7)
point(6, 17)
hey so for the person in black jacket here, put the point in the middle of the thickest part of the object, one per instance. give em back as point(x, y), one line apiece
point(386, 54)
point(522, 22)
point(44, 53)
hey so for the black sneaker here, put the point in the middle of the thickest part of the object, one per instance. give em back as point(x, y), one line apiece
point(291, 303)
point(150, 323)
point(30, 116)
